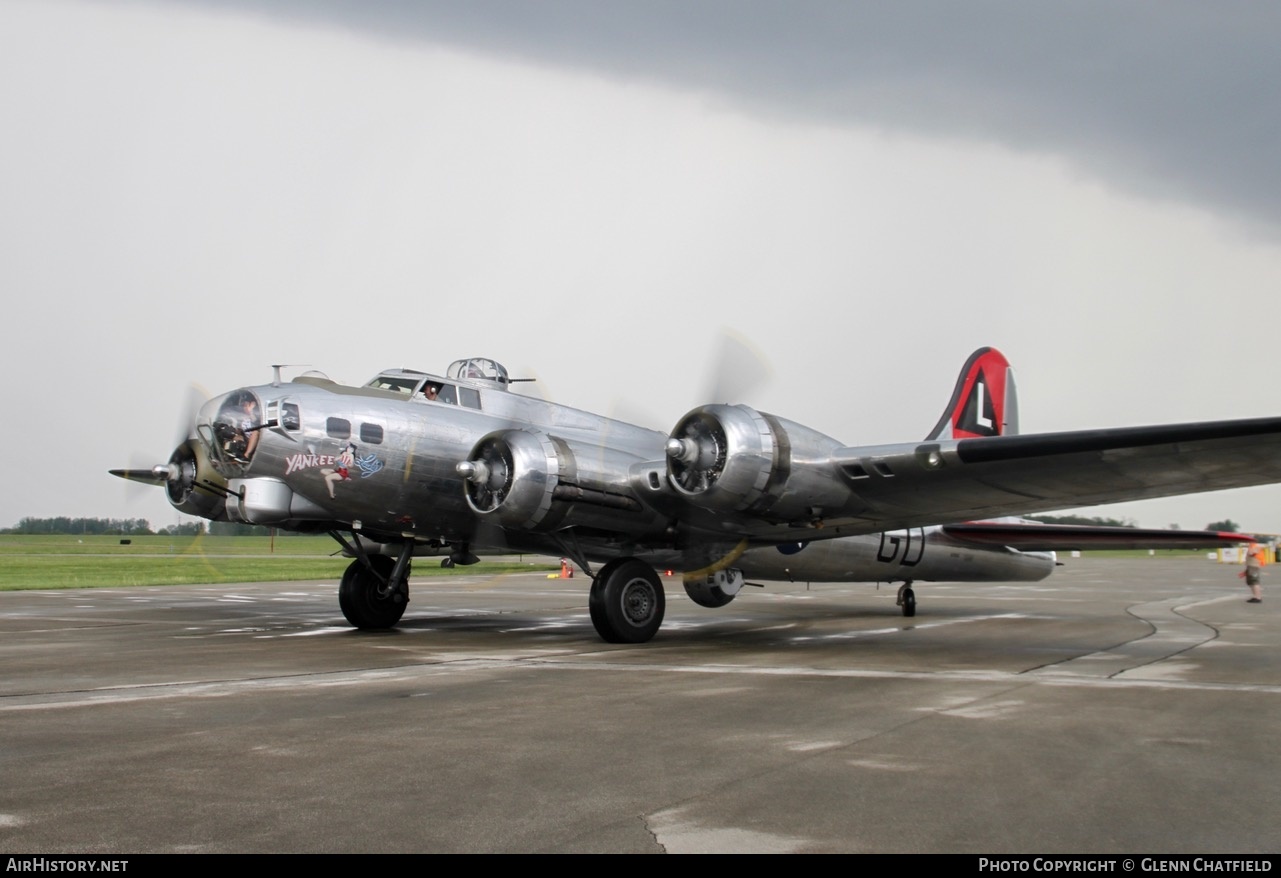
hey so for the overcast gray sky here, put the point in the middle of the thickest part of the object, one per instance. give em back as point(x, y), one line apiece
point(592, 193)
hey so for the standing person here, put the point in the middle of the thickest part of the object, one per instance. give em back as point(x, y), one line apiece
point(1254, 572)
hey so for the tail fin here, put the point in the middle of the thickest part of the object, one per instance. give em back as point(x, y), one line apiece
point(985, 401)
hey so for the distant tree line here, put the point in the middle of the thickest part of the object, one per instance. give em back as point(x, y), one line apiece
point(1092, 521)
point(132, 527)
point(1226, 524)
point(65, 525)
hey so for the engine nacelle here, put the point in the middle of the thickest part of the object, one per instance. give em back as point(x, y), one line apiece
point(734, 459)
point(723, 456)
point(534, 481)
point(188, 468)
point(512, 475)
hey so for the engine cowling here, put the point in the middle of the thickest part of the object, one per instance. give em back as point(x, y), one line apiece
point(735, 459)
point(189, 467)
point(534, 481)
point(722, 455)
point(512, 474)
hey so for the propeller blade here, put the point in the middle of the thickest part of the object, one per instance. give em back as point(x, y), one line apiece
point(195, 397)
point(738, 370)
point(156, 475)
point(138, 472)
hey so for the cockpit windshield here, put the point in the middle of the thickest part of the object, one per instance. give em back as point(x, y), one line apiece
point(396, 383)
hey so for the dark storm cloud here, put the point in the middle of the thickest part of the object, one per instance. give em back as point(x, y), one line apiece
point(1167, 99)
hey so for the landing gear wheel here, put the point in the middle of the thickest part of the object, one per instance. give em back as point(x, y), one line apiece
point(627, 601)
point(367, 599)
point(908, 598)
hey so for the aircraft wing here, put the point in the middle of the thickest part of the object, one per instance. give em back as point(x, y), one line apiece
point(1064, 537)
point(937, 482)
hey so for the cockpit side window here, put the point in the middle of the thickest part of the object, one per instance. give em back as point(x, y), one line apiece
point(470, 397)
point(436, 391)
point(283, 416)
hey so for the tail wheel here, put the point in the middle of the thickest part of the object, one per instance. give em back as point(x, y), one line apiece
point(909, 602)
point(368, 599)
point(627, 602)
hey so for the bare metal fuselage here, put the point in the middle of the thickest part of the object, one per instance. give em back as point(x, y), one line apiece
point(384, 463)
point(413, 464)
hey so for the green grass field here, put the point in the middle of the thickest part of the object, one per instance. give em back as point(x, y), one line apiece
point(41, 562)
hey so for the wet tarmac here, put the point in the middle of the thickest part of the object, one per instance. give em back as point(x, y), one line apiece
point(1120, 706)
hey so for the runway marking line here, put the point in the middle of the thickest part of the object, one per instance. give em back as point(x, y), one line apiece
point(408, 673)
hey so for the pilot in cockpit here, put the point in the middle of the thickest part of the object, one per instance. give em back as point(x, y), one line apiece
point(431, 390)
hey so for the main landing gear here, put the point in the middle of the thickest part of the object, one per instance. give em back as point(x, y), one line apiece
point(627, 601)
point(374, 591)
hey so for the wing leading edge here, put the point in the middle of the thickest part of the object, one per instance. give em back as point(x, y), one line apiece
point(967, 479)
